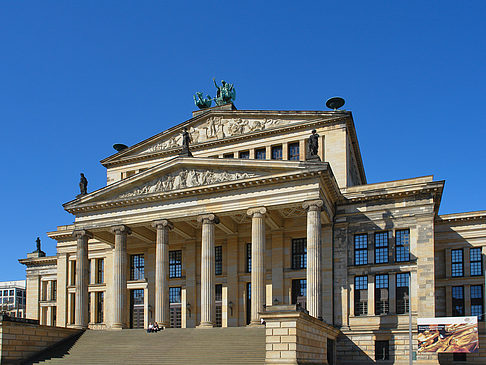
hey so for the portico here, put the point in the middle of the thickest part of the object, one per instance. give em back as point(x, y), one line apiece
point(243, 209)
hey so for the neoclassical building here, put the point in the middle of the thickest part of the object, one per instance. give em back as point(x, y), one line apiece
point(247, 221)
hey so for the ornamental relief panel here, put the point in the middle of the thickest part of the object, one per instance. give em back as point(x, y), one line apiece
point(186, 178)
point(216, 128)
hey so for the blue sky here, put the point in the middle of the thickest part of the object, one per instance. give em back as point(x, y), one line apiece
point(78, 76)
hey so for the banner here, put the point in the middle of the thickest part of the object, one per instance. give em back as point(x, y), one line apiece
point(448, 334)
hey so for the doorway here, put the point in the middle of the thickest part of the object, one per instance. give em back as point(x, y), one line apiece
point(136, 308)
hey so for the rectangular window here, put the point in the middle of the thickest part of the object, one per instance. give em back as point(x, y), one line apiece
point(175, 264)
point(175, 294)
point(100, 297)
point(402, 291)
point(476, 261)
point(100, 271)
point(382, 350)
point(218, 260)
point(402, 245)
point(477, 301)
point(360, 249)
point(360, 295)
point(218, 292)
point(248, 257)
point(457, 263)
point(457, 357)
point(245, 155)
point(381, 294)
point(457, 301)
point(73, 273)
point(90, 281)
point(277, 152)
point(381, 247)
point(299, 253)
point(299, 292)
point(54, 290)
point(137, 267)
point(229, 155)
point(294, 151)
point(261, 154)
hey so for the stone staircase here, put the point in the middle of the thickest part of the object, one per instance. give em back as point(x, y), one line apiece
point(236, 345)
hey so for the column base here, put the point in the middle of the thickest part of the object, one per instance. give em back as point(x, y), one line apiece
point(117, 326)
point(80, 327)
point(205, 325)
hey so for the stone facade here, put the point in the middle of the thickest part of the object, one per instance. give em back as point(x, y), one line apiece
point(246, 224)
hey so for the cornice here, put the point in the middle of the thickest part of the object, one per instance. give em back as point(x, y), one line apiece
point(462, 217)
point(39, 261)
point(319, 169)
point(326, 117)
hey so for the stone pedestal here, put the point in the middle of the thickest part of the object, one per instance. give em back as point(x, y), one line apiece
point(257, 263)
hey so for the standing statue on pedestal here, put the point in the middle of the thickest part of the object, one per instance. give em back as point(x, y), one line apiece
point(313, 147)
point(38, 244)
point(186, 141)
point(83, 185)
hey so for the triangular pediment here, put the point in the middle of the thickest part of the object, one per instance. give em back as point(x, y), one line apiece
point(217, 126)
point(183, 175)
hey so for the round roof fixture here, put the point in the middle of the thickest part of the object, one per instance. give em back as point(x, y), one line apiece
point(335, 103)
point(119, 146)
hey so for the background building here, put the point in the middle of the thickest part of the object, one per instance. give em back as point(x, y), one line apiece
point(13, 298)
point(252, 220)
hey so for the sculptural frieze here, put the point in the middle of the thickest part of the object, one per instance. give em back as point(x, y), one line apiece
point(217, 128)
point(186, 178)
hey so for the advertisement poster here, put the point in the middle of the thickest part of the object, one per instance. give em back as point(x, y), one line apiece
point(448, 334)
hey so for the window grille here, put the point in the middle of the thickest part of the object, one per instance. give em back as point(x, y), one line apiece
point(294, 151)
point(475, 257)
point(402, 293)
point(277, 152)
point(299, 253)
point(261, 154)
point(137, 267)
point(360, 295)
point(175, 264)
point(457, 301)
point(381, 247)
point(381, 294)
point(457, 261)
point(361, 249)
point(218, 260)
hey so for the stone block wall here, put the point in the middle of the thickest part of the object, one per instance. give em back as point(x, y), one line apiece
point(20, 340)
point(294, 337)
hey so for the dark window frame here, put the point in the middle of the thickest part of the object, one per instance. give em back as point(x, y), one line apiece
point(299, 253)
point(476, 261)
point(402, 293)
point(218, 260)
point(175, 294)
point(137, 267)
point(477, 301)
point(382, 350)
point(382, 294)
point(361, 295)
point(248, 257)
point(100, 271)
point(381, 247)
point(277, 153)
point(458, 301)
point(175, 264)
point(244, 155)
point(361, 249)
point(457, 262)
point(293, 151)
point(261, 152)
point(402, 245)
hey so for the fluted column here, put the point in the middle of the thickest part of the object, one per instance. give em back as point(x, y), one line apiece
point(81, 319)
point(120, 276)
point(208, 309)
point(162, 316)
point(314, 245)
point(257, 262)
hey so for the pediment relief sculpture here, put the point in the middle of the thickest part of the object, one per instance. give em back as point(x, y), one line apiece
point(216, 128)
point(186, 178)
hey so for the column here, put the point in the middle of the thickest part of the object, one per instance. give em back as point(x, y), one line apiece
point(314, 256)
point(162, 272)
point(208, 309)
point(257, 262)
point(81, 299)
point(120, 276)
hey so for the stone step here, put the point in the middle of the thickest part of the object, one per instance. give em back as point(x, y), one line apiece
point(236, 345)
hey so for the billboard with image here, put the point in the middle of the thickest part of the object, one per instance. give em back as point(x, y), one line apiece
point(448, 334)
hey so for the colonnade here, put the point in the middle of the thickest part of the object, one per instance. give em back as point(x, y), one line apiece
point(208, 222)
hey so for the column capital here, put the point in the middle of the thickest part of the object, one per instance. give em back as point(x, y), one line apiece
point(257, 212)
point(208, 218)
point(162, 223)
point(121, 229)
point(81, 233)
point(313, 205)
